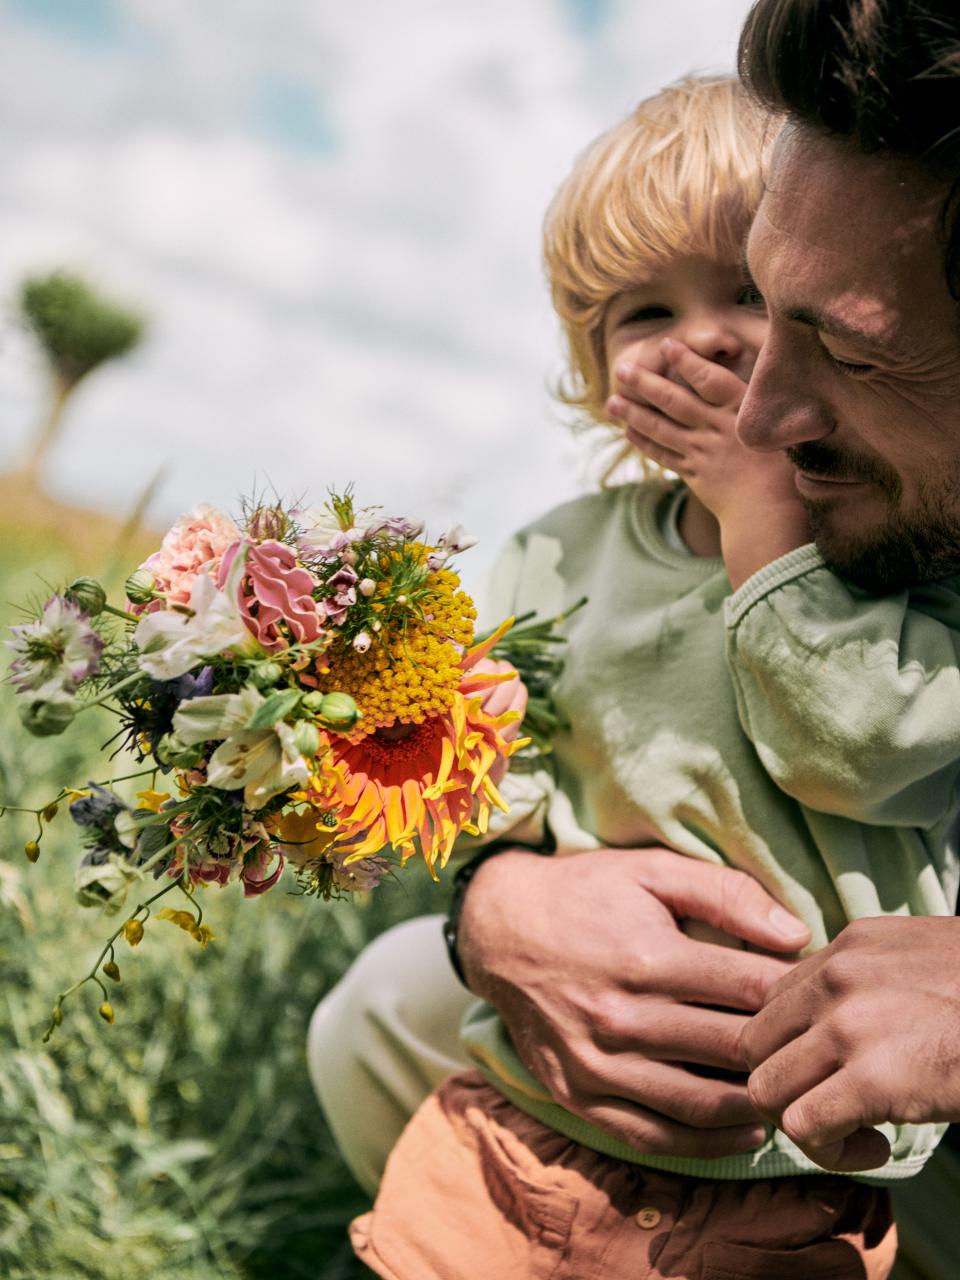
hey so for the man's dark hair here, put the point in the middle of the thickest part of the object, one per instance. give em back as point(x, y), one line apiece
point(884, 75)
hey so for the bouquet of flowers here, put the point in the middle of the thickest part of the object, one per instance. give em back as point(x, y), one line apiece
point(303, 688)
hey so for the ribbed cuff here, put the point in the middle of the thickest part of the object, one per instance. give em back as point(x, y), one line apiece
point(777, 574)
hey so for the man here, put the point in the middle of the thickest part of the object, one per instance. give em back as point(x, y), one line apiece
point(856, 248)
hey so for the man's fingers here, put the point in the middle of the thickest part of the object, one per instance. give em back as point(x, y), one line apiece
point(711, 381)
point(654, 1134)
point(729, 900)
point(706, 973)
point(793, 1071)
point(865, 1149)
point(685, 1033)
point(828, 1113)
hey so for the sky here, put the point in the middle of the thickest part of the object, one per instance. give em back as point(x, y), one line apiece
point(330, 214)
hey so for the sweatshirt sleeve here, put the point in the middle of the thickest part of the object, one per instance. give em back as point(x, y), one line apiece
point(852, 701)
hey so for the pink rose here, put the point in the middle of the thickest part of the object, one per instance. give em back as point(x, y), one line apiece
point(195, 543)
point(275, 589)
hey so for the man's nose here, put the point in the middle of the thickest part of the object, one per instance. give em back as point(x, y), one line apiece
point(780, 409)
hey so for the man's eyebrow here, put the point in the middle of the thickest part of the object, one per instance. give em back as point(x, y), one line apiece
point(834, 327)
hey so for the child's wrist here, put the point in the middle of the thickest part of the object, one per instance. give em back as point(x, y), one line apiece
point(747, 545)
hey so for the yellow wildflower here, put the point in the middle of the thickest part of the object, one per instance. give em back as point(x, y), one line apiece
point(153, 800)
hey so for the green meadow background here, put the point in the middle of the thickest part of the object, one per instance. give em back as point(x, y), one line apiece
point(185, 1140)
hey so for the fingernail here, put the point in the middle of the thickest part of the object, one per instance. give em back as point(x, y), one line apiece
point(616, 406)
point(752, 1139)
point(669, 347)
point(784, 923)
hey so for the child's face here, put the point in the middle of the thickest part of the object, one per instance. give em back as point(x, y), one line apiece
point(697, 300)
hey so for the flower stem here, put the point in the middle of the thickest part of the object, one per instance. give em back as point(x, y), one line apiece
point(120, 613)
point(115, 689)
point(107, 949)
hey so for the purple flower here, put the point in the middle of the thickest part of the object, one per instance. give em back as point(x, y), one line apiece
point(188, 686)
point(98, 810)
point(396, 527)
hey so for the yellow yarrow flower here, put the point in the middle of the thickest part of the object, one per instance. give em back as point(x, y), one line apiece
point(412, 672)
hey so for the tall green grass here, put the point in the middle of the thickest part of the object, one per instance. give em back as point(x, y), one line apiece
point(185, 1140)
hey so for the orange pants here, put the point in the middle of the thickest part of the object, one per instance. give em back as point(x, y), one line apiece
point(477, 1190)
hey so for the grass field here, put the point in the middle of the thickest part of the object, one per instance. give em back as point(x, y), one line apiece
point(183, 1141)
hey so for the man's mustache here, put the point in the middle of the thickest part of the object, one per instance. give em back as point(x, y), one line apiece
point(826, 463)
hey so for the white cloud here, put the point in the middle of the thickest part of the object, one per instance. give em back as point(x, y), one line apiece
point(374, 310)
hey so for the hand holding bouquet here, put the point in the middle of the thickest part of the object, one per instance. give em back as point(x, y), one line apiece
point(302, 688)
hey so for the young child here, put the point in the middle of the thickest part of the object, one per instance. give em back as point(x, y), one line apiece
point(729, 697)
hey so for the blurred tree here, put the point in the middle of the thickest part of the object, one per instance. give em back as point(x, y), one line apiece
point(79, 330)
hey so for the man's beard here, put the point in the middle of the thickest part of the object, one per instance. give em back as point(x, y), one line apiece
point(908, 548)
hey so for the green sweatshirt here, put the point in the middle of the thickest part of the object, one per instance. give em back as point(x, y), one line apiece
point(797, 729)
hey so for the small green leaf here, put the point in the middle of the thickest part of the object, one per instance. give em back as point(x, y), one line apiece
point(273, 709)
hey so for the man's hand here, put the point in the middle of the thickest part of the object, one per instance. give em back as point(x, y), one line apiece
point(686, 419)
point(604, 996)
point(863, 1032)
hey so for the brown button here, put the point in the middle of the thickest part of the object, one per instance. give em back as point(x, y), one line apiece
point(648, 1218)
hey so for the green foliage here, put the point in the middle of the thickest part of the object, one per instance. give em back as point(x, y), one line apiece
point(77, 328)
point(185, 1140)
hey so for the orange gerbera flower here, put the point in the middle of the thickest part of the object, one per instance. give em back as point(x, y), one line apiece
point(424, 782)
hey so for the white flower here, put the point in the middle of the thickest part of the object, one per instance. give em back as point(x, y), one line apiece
point(450, 543)
point(171, 642)
point(323, 533)
point(361, 642)
point(264, 762)
point(456, 539)
point(55, 653)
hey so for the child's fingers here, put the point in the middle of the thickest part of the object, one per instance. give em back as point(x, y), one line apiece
point(711, 381)
point(657, 452)
point(672, 399)
point(642, 422)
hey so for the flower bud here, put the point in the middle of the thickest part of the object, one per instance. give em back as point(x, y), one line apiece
point(112, 970)
point(87, 594)
point(268, 524)
point(32, 850)
point(339, 710)
point(367, 587)
point(106, 1011)
point(306, 736)
point(266, 674)
point(313, 701)
point(133, 932)
point(44, 717)
point(56, 1015)
point(51, 811)
point(140, 586)
point(361, 641)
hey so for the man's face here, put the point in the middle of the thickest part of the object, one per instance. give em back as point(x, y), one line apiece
point(859, 378)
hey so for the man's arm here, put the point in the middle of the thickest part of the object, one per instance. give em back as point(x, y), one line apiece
point(864, 1032)
point(604, 996)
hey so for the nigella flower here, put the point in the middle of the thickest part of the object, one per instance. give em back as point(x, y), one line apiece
point(57, 651)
